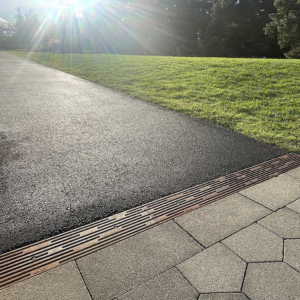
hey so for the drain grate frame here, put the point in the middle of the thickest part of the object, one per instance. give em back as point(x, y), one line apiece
point(28, 261)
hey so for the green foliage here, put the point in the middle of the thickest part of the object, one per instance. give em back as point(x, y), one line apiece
point(215, 28)
point(166, 27)
point(19, 17)
point(236, 30)
point(27, 28)
point(286, 24)
point(256, 97)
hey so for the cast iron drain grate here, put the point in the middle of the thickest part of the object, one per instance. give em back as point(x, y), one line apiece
point(39, 257)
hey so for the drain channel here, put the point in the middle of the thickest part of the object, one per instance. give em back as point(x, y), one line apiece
point(39, 257)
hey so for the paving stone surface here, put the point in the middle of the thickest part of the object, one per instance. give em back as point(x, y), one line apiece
point(295, 206)
point(63, 283)
point(170, 285)
point(276, 192)
point(292, 253)
point(294, 172)
point(216, 269)
point(115, 270)
point(271, 281)
point(255, 244)
point(222, 218)
point(284, 222)
point(223, 296)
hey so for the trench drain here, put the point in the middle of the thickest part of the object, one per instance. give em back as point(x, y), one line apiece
point(39, 257)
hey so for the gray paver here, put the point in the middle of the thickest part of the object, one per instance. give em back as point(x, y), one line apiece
point(271, 281)
point(115, 270)
point(276, 192)
point(170, 285)
point(223, 296)
point(295, 206)
point(63, 283)
point(216, 269)
point(284, 222)
point(295, 172)
point(292, 253)
point(220, 219)
point(255, 244)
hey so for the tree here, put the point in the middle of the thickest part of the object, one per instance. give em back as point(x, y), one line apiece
point(68, 31)
point(187, 21)
point(285, 25)
point(19, 17)
point(159, 27)
point(30, 29)
point(26, 29)
point(237, 30)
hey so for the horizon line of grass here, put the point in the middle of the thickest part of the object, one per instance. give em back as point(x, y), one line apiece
point(259, 98)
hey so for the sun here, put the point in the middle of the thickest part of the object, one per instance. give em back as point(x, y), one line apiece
point(73, 2)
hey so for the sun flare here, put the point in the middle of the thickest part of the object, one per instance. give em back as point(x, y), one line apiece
point(67, 3)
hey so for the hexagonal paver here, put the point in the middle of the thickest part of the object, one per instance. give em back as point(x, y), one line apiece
point(223, 296)
point(271, 281)
point(276, 192)
point(284, 222)
point(216, 269)
point(64, 282)
point(295, 172)
point(170, 285)
point(117, 269)
point(295, 206)
point(255, 244)
point(222, 218)
point(292, 253)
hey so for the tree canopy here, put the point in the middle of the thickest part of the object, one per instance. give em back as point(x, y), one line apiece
point(285, 24)
point(236, 30)
point(227, 28)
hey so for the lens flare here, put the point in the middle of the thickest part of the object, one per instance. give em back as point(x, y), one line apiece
point(104, 26)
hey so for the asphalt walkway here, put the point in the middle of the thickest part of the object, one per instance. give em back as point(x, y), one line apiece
point(73, 152)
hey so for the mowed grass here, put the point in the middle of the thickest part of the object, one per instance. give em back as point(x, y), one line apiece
point(259, 98)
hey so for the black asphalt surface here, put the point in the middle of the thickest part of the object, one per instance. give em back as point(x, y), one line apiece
point(72, 152)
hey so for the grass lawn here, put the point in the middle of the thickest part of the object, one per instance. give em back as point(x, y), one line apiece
point(259, 98)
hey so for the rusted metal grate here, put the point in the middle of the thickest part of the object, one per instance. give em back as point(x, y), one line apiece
point(39, 257)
